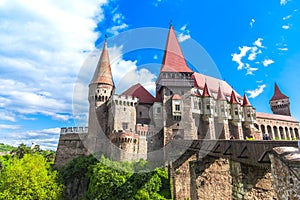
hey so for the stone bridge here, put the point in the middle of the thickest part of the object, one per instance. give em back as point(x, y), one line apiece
point(248, 163)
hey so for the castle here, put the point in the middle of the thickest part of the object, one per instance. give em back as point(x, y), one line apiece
point(187, 105)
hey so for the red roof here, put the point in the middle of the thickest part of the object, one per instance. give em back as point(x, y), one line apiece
point(246, 102)
point(275, 117)
point(173, 60)
point(220, 94)
point(103, 71)
point(176, 97)
point(278, 94)
point(213, 84)
point(141, 93)
point(233, 99)
point(206, 92)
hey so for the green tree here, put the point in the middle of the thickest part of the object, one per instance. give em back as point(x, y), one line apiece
point(30, 177)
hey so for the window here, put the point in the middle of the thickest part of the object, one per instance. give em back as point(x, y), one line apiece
point(140, 114)
point(158, 110)
point(207, 107)
point(125, 125)
point(171, 93)
point(177, 107)
point(222, 109)
point(236, 112)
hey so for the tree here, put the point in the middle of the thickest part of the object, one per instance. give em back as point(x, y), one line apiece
point(30, 177)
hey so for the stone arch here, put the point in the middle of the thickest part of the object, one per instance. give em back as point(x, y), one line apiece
point(269, 131)
point(292, 132)
point(276, 133)
point(281, 132)
point(256, 126)
point(262, 128)
point(296, 133)
point(288, 136)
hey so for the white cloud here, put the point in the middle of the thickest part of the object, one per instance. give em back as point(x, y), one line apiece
point(284, 2)
point(250, 70)
point(252, 22)
point(256, 92)
point(115, 30)
point(184, 35)
point(42, 47)
point(287, 17)
point(283, 49)
point(268, 62)
point(8, 126)
point(7, 116)
point(46, 138)
point(286, 27)
point(254, 52)
point(156, 2)
point(258, 43)
point(238, 57)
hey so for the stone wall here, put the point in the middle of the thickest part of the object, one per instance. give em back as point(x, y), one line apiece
point(215, 179)
point(250, 182)
point(70, 146)
point(286, 170)
point(214, 182)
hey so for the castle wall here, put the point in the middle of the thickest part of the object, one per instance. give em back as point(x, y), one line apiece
point(70, 145)
point(286, 170)
point(123, 113)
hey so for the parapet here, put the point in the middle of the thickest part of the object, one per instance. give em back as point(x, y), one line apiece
point(72, 130)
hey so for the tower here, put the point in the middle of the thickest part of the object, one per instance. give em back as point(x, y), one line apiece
point(280, 103)
point(101, 89)
point(173, 86)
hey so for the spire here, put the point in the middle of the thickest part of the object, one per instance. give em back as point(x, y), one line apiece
point(278, 94)
point(246, 102)
point(220, 94)
point(173, 60)
point(206, 92)
point(103, 71)
point(233, 99)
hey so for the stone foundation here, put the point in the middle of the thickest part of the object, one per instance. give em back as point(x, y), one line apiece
point(286, 170)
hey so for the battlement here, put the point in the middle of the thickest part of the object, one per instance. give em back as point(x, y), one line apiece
point(125, 100)
point(72, 130)
point(124, 136)
point(142, 129)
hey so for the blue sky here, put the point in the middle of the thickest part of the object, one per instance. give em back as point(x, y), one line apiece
point(45, 44)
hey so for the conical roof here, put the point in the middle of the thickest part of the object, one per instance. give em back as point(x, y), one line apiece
point(206, 92)
point(220, 95)
point(103, 71)
point(173, 60)
point(233, 99)
point(246, 102)
point(278, 94)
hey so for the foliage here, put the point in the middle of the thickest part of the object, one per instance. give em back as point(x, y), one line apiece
point(6, 148)
point(76, 168)
point(117, 180)
point(29, 177)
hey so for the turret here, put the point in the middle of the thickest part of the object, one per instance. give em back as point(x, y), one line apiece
point(249, 115)
point(236, 113)
point(208, 102)
point(221, 105)
point(280, 103)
